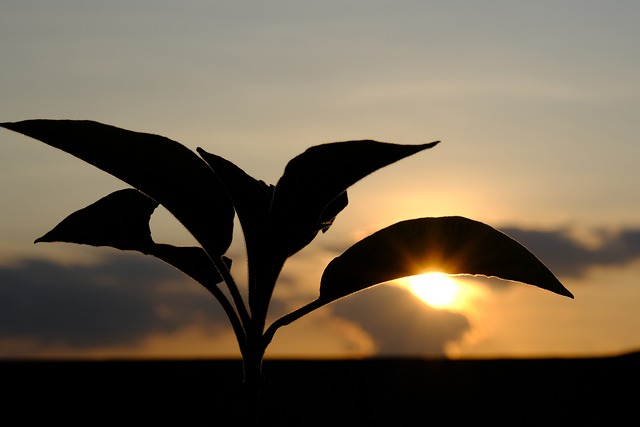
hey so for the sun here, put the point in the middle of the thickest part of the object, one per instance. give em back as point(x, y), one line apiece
point(436, 289)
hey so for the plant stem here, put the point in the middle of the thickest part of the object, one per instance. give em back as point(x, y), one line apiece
point(235, 292)
point(267, 281)
point(253, 378)
point(290, 317)
point(231, 314)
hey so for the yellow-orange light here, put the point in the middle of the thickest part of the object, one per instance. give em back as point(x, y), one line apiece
point(435, 289)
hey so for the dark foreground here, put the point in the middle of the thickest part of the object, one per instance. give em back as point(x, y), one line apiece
point(375, 392)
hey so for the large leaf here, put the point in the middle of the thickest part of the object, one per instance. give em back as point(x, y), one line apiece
point(315, 182)
point(332, 210)
point(191, 260)
point(452, 245)
point(163, 169)
point(121, 220)
point(252, 200)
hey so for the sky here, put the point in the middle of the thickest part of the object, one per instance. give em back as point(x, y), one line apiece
point(536, 105)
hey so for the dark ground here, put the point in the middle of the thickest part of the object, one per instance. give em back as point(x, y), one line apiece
point(373, 392)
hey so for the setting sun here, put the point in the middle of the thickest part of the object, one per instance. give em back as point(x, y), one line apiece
point(436, 289)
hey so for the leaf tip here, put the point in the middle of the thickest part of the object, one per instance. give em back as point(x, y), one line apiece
point(46, 238)
point(557, 288)
point(568, 294)
point(432, 144)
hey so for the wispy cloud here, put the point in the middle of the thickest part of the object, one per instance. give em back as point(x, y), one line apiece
point(567, 256)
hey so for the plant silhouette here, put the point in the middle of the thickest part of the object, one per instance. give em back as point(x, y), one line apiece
point(205, 192)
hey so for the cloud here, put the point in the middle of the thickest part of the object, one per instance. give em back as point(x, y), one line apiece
point(568, 256)
point(125, 298)
point(560, 249)
point(399, 323)
point(119, 300)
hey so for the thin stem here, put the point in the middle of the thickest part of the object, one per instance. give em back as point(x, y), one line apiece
point(235, 292)
point(289, 318)
point(264, 293)
point(232, 315)
point(253, 382)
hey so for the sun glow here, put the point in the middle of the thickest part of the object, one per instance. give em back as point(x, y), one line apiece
point(435, 289)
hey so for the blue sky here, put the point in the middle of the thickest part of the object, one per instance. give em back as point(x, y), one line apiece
point(536, 104)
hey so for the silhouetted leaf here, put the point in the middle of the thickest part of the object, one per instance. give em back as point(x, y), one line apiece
point(452, 245)
point(191, 260)
point(314, 179)
point(251, 198)
point(119, 220)
point(163, 169)
point(332, 210)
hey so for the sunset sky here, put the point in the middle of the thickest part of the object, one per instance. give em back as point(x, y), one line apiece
point(537, 105)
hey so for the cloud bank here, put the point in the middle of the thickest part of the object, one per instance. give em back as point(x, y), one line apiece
point(127, 297)
point(567, 256)
point(117, 301)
